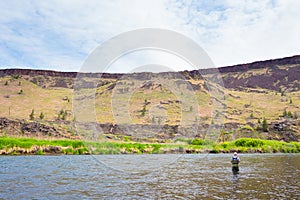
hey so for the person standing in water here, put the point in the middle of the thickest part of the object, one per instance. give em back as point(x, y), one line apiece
point(235, 160)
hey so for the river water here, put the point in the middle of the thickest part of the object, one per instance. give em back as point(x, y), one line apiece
point(262, 176)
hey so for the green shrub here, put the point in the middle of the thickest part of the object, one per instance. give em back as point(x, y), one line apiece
point(75, 152)
point(249, 142)
point(31, 116)
point(224, 145)
point(197, 142)
point(40, 152)
point(265, 125)
point(247, 127)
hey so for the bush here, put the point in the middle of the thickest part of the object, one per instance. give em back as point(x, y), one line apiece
point(42, 115)
point(201, 142)
point(40, 152)
point(197, 142)
point(224, 145)
point(247, 127)
point(265, 125)
point(249, 142)
point(31, 116)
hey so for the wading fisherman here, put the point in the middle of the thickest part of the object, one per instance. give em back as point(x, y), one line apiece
point(235, 160)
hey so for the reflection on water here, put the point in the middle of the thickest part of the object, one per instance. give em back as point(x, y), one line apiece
point(261, 176)
point(235, 170)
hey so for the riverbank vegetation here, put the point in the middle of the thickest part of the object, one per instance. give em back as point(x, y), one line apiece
point(20, 146)
point(16, 146)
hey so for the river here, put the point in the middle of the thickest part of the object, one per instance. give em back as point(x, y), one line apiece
point(262, 176)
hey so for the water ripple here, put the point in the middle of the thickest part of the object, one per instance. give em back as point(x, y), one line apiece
point(274, 176)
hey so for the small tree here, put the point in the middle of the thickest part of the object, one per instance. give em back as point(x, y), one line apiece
point(42, 116)
point(159, 121)
point(6, 83)
point(265, 125)
point(20, 92)
point(143, 111)
point(258, 121)
point(251, 116)
point(61, 112)
point(284, 114)
point(291, 101)
point(289, 114)
point(64, 115)
point(153, 120)
point(295, 115)
point(31, 116)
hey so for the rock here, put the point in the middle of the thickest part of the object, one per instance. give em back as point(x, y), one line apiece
point(32, 129)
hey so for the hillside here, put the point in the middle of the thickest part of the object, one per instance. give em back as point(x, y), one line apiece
point(265, 89)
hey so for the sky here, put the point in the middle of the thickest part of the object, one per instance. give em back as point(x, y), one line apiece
point(61, 34)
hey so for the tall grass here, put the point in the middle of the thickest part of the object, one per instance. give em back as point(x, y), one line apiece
point(7, 142)
point(70, 146)
point(185, 146)
point(258, 145)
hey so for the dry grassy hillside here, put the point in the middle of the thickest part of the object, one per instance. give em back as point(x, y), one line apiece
point(19, 96)
point(252, 92)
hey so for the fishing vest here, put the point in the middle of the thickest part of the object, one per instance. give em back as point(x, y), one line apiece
point(235, 160)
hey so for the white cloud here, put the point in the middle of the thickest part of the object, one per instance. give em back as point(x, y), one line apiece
point(59, 35)
point(245, 31)
point(134, 61)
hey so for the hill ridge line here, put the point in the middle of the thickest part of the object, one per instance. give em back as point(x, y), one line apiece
point(233, 68)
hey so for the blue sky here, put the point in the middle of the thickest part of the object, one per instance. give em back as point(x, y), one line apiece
point(60, 34)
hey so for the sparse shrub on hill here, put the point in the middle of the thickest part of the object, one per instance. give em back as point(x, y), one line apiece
point(295, 115)
point(289, 114)
point(265, 125)
point(143, 111)
point(247, 127)
point(42, 116)
point(153, 120)
point(31, 116)
point(159, 121)
point(62, 115)
point(284, 114)
point(15, 76)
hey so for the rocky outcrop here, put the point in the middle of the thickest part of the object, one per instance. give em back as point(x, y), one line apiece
point(275, 78)
point(32, 72)
point(286, 130)
point(261, 64)
point(146, 132)
point(31, 129)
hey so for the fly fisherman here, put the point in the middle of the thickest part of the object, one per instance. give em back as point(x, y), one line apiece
point(235, 160)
